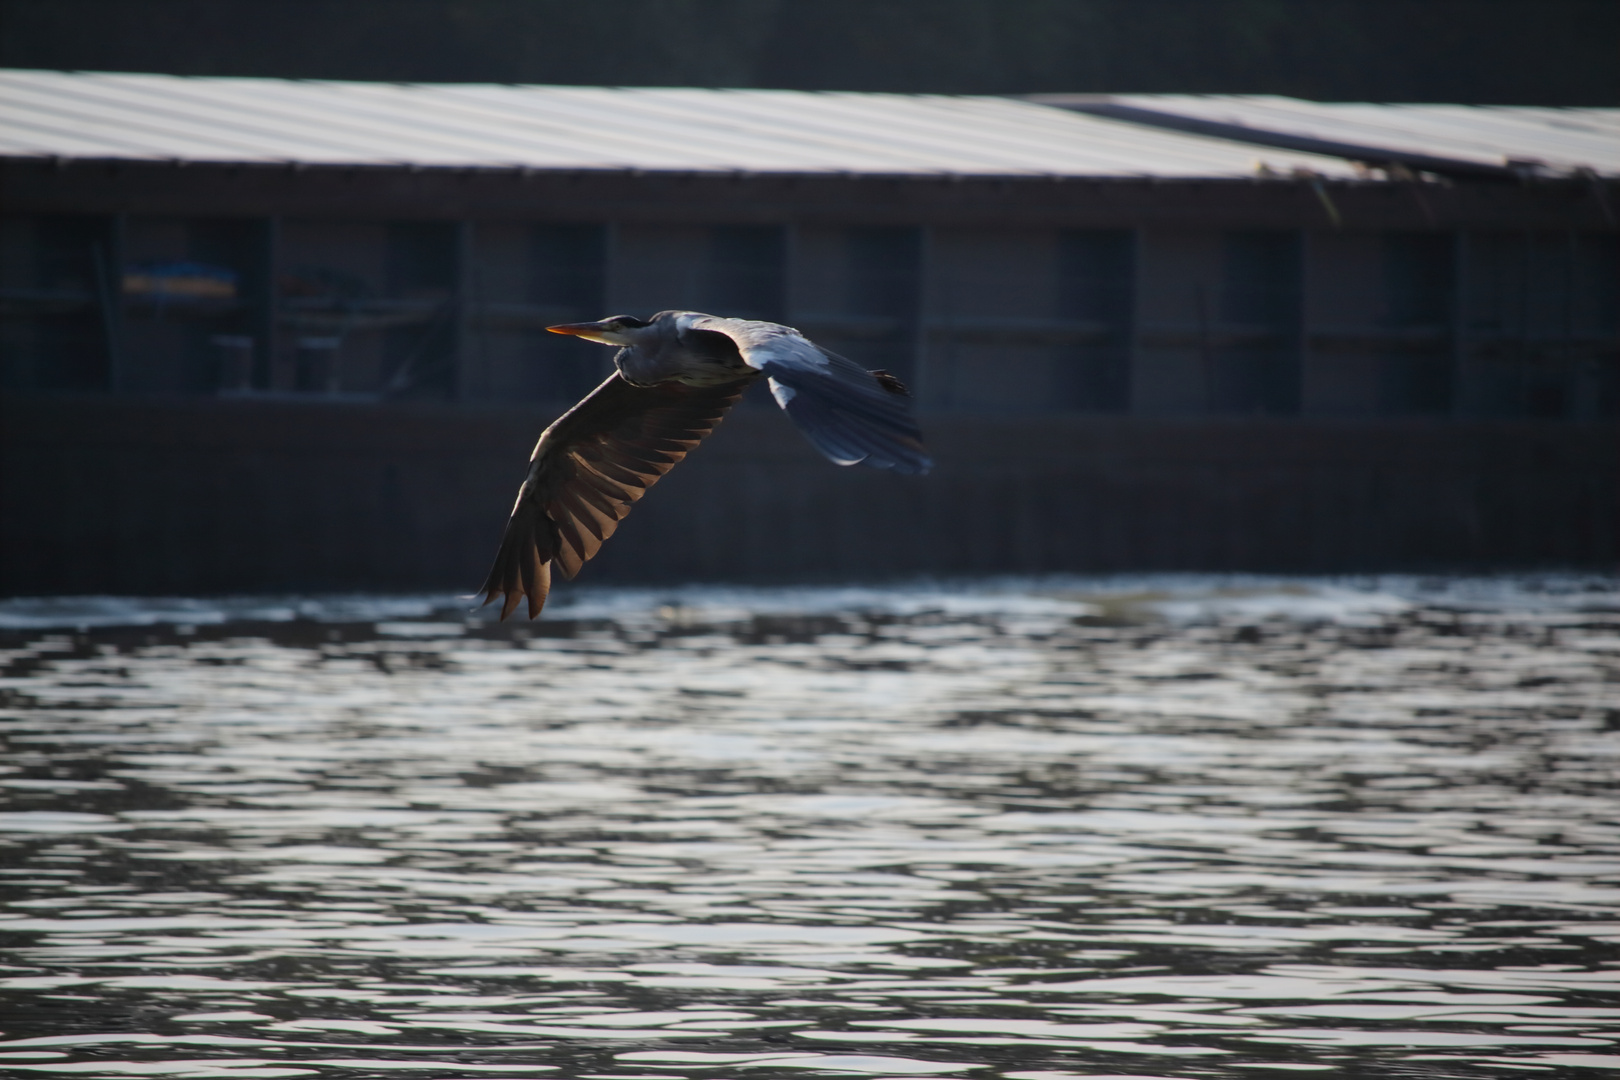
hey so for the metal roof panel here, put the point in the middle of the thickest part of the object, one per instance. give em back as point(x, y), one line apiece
point(1498, 137)
point(134, 116)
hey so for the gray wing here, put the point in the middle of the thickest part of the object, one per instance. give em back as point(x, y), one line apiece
point(848, 413)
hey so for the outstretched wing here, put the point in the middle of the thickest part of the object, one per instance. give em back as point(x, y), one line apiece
point(588, 469)
point(850, 414)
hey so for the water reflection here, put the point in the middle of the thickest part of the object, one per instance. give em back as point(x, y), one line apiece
point(1031, 831)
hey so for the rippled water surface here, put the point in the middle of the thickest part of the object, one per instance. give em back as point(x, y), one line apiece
point(1029, 831)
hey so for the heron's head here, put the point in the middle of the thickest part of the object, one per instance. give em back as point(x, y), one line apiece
point(613, 330)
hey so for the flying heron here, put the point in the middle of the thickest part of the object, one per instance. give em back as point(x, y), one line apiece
point(676, 375)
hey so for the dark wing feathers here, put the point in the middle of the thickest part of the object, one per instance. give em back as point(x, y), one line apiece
point(586, 472)
point(850, 414)
point(842, 438)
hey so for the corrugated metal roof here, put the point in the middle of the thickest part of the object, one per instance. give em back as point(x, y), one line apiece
point(1459, 139)
point(164, 117)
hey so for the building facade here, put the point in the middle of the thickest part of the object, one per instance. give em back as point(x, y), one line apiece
point(1309, 320)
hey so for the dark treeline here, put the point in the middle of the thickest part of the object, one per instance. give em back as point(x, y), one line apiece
point(1553, 52)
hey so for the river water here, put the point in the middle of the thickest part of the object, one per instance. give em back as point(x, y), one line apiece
point(1031, 830)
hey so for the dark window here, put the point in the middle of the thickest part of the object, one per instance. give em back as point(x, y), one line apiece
point(188, 322)
point(1095, 284)
point(1597, 278)
point(419, 355)
point(1539, 317)
point(221, 352)
point(883, 272)
point(1094, 272)
point(568, 274)
point(568, 263)
point(1596, 321)
point(1260, 283)
point(1418, 278)
point(1253, 356)
point(421, 258)
point(58, 303)
point(744, 276)
point(1419, 286)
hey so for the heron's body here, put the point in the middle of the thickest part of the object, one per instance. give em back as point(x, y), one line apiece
point(677, 375)
point(676, 351)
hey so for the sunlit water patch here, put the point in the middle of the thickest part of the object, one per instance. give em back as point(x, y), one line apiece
point(1155, 828)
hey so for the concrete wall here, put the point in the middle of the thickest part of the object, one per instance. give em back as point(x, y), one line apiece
point(218, 496)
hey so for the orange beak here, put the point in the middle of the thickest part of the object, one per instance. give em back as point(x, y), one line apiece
point(590, 331)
